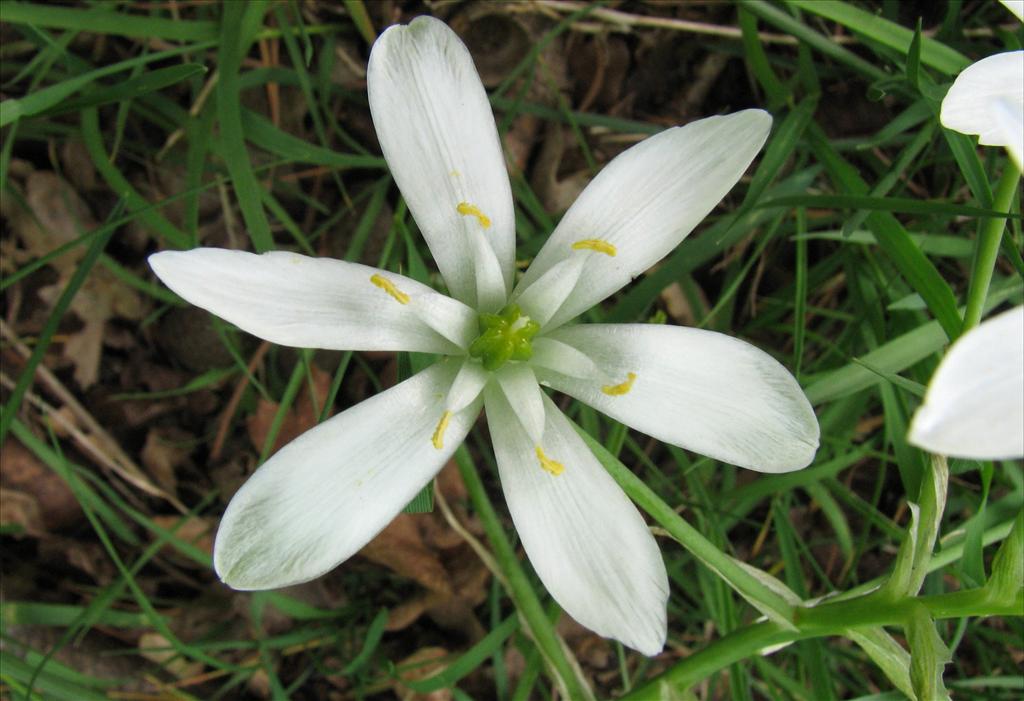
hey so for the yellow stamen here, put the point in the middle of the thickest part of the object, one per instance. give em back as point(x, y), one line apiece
point(622, 388)
point(554, 467)
point(438, 438)
point(389, 287)
point(471, 210)
point(599, 245)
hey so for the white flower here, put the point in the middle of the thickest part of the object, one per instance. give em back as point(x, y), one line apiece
point(324, 495)
point(974, 407)
point(987, 99)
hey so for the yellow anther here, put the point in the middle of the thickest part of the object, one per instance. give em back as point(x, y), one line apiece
point(438, 438)
point(471, 210)
point(599, 245)
point(621, 388)
point(389, 287)
point(554, 467)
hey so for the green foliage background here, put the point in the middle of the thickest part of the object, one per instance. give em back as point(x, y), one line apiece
point(855, 258)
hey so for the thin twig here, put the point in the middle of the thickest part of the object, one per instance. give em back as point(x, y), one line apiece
point(86, 443)
point(96, 441)
point(479, 548)
point(229, 411)
point(625, 21)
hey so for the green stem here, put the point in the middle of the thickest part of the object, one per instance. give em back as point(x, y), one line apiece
point(522, 593)
point(823, 620)
point(987, 249)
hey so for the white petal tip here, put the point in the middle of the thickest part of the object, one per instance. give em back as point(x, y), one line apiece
point(160, 262)
point(652, 644)
point(760, 118)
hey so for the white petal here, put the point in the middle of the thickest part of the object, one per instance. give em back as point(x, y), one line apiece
point(703, 391)
point(437, 132)
point(974, 407)
point(1011, 122)
point(562, 358)
point(327, 493)
point(308, 302)
point(991, 84)
point(546, 295)
point(468, 385)
point(1016, 7)
point(585, 539)
point(647, 200)
point(491, 292)
point(448, 317)
point(523, 393)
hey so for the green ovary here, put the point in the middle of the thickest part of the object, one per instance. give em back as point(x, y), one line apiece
point(503, 337)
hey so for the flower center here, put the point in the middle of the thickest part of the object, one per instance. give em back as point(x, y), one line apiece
point(503, 337)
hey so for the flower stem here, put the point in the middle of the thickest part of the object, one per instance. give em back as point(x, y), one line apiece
point(987, 249)
point(819, 621)
point(522, 593)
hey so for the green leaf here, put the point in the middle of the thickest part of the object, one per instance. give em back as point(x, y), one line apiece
point(933, 53)
point(262, 132)
point(916, 550)
point(30, 613)
point(893, 238)
point(371, 639)
point(1007, 578)
point(147, 213)
point(972, 567)
point(835, 516)
point(99, 20)
point(468, 662)
point(888, 654)
point(928, 656)
point(886, 204)
point(52, 96)
point(913, 68)
point(361, 18)
point(148, 82)
point(932, 244)
point(758, 61)
point(790, 25)
point(233, 46)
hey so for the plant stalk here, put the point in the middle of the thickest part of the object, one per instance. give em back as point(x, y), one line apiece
point(987, 250)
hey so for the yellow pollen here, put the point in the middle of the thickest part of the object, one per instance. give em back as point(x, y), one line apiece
point(438, 438)
point(622, 388)
point(599, 245)
point(554, 467)
point(389, 287)
point(470, 210)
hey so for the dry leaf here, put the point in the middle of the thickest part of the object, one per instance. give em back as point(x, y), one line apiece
point(422, 664)
point(424, 548)
point(156, 648)
point(101, 298)
point(21, 472)
point(91, 558)
point(197, 530)
point(166, 449)
point(301, 417)
point(56, 215)
point(557, 193)
point(20, 509)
